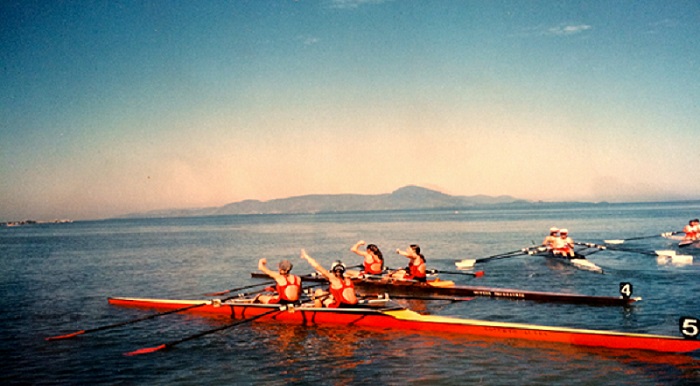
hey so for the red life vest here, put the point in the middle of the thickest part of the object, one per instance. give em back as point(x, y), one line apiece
point(338, 294)
point(415, 272)
point(290, 281)
point(368, 267)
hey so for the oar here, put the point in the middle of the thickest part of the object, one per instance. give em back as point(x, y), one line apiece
point(621, 241)
point(671, 254)
point(163, 346)
point(470, 262)
point(81, 332)
point(239, 289)
point(610, 248)
point(473, 274)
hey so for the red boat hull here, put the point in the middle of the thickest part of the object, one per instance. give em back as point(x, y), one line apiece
point(402, 319)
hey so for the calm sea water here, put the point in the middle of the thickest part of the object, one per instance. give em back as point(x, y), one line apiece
point(56, 278)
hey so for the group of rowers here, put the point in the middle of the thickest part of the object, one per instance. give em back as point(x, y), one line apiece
point(341, 290)
point(559, 242)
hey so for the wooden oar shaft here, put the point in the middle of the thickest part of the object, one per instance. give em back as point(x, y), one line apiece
point(238, 289)
point(500, 256)
point(152, 316)
point(171, 344)
point(71, 335)
point(593, 245)
point(474, 274)
point(665, 234)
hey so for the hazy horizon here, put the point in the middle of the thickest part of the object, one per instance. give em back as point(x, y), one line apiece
point(184, 209)
point(122, 107)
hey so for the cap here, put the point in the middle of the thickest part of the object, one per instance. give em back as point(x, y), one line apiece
point(564, 230)
point(338, 266)
point(285, 265)
point(553, 229)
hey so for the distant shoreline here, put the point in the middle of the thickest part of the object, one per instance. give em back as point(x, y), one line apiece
point(9, 224)
point(510, 206)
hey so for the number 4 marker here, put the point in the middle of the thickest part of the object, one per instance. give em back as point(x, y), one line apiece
point(626, 290)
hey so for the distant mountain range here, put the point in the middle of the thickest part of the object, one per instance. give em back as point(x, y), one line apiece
point(406, 198)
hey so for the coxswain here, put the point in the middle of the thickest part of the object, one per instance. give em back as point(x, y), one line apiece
point(551, 238)
point(416, 269)
point(692, 230)
point(564, 245)
point(288, 286)
point(341, 290)
point(374, 260)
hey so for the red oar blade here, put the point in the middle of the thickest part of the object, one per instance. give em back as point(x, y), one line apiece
point(66, 336)
point(146, 350)
point(478, 273)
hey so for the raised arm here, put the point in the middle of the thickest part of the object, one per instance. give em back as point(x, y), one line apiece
point(262, 265)
point(355, 248)
point(407, 253)
point(316, 265)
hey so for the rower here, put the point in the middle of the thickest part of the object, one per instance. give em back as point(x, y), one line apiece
point(341, 290)
point(416, 269)
point(692, 230)
point(564, 245)
point(288, 285)
point(550, 239)
point(374, 260)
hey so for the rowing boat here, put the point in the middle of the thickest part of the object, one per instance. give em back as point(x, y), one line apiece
point(391, 316)
point(578, 261)
point(447, 289)
point(689, 243)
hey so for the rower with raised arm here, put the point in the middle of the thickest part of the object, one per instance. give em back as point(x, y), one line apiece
point(551, 238)
point(374, 260)
point(341, 290)
point(416, 269)
point(288, 285)
point(564, 245)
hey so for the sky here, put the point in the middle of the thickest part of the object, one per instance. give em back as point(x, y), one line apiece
point(115, 107)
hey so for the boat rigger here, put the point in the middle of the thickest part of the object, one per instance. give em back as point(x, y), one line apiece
point(388, 315)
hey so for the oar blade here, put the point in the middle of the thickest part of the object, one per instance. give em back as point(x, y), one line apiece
point(666, 252)
point(479, 273)
point(146, 350)
point(466, 263)
point(66, 336)
point(614, 241)
point(682, 259)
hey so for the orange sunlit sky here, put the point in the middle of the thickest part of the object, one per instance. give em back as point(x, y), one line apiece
point(116, 107)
